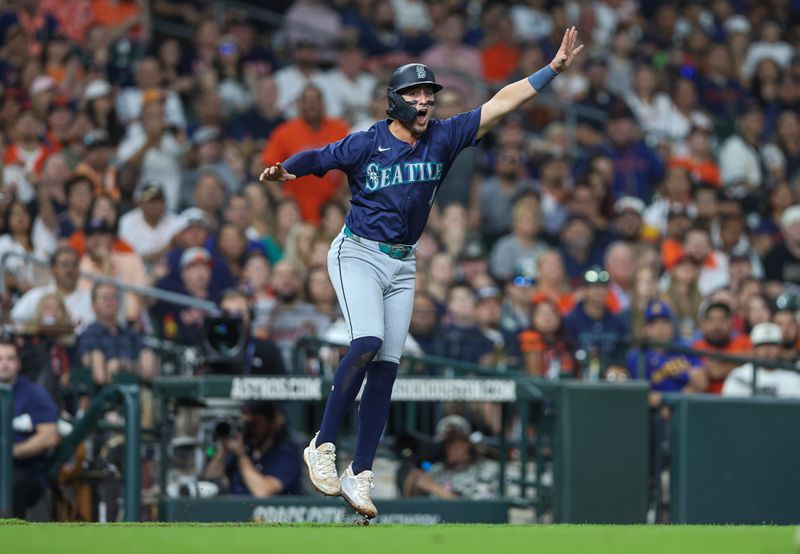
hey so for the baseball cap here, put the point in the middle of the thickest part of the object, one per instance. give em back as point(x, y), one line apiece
point(149, 190)
point(196, 255)
point(453, 426)
point(96, 89)
point(790, 215)
point(42, 83)
point(737, 24)
point(205, 134)
point(629, 203)
point(712, 304)
point(189, 217)
point(766, 333)
point(97, 226)
point(657, 310)
point(96, 138)
point(485, 293)
point(596, 276)
point(472, 251)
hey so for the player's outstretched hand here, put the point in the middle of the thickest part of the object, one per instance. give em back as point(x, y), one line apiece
point(276, 173)
point(567, 52)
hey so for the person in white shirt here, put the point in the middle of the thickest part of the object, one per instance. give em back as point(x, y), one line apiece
point(64, 265)
point(148, 228)
point(767, 340)
point(148, 78)
point(349, 88)
point(150, 143)
point(292, 79)
point(769, 47)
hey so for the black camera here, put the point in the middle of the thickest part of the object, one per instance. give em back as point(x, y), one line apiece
point(226, 429)
point(224, 345)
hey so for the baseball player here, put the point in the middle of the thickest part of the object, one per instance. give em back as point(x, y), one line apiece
point(394, 170)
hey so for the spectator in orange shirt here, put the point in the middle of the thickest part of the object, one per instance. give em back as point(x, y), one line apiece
point(312, 129)
point(552, 283)
point(103, 207)
point(716, 325)
point(699, 160)
point(501, 53)
point(96, 164)
point(25, 157)
point(545, 349)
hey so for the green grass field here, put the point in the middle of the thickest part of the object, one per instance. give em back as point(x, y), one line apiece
point(22, 538)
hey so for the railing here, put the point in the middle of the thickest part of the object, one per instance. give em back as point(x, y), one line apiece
point(6, 440)
point(112, 395)
point(149, 292)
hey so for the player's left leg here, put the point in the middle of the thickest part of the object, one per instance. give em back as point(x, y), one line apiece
point(375, 400)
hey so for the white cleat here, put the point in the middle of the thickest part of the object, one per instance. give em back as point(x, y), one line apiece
point(357, 489)
point(321, 462)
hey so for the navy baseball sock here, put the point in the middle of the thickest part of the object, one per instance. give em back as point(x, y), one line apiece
point(373, 412)
point(346, 384)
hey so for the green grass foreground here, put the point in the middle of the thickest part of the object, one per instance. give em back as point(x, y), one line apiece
point(22, 538)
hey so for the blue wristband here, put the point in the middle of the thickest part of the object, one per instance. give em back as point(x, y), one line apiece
point(542, 78)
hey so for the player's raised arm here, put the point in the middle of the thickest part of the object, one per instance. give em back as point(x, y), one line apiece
point(512, 96)
point(276, 173)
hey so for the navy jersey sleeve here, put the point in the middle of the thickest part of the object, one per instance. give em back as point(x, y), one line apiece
point(343, 154)
point(285, 466)
point(462, 130)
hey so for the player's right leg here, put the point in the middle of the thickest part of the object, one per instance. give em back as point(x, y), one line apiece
point(359, 287)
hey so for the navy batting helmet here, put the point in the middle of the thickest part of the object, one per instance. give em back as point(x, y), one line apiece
point(405, 77)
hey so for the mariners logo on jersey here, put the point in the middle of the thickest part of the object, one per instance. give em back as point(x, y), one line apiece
point(406, 173)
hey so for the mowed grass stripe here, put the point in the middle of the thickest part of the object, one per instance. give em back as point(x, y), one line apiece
point(390, 539)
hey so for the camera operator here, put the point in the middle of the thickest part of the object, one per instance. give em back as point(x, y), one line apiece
point(35, 430)
point(260, 460)
point(261, 356)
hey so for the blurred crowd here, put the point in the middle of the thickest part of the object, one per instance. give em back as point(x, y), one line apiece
point(650, 195)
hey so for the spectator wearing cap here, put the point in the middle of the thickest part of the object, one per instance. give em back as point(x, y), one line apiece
point(152, 146)
point(131, 100)
point(499, 191)
point(666, 371)
point(462, 472)
point(192, 229)
point(589, 131)
point(24, 157)
point(744, 158)
point(499, 348)
point(717, 335)
point(598, 332)
point(96, 164)
point(182, 323)
point(311, 129)
point(207, 157)
point(753, 379)
point(733, 241)
point(545, 348)
point(101, 259)
point(577, 247)
point(628, 225)
point(41, 91)
point(674, 190)
point(518, 300)
point(782, 263)
point(472, 262)
point(784, 315)
point(107, 347)
point(521, 246)
point(150, 226)
point(637, 168)
point(100, 109)
point(261, 460)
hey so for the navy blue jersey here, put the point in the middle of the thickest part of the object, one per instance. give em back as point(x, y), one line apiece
point(392, 183)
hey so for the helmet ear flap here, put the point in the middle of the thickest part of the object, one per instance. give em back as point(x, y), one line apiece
point(399, 108)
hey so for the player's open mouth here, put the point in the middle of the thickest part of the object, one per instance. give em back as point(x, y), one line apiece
point(421, 116)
